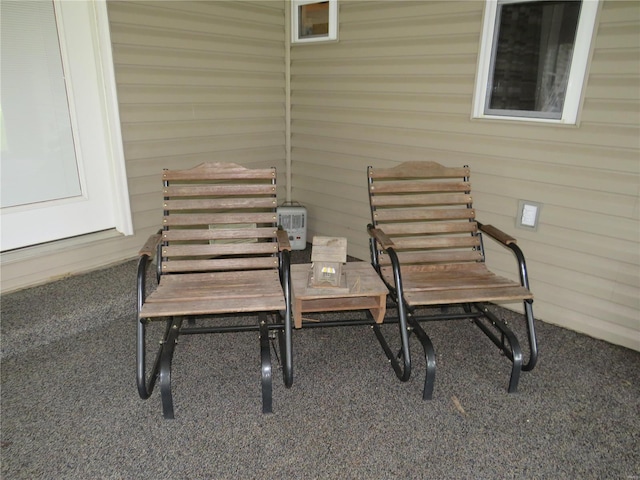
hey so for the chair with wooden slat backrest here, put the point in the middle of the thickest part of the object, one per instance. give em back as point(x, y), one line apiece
point(427, 246)
point(220, 259)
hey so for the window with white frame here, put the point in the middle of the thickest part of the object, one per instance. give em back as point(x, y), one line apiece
point(314, 21)
point(533, 59)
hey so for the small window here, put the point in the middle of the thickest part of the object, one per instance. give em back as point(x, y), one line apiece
point(533, 59)
point(314, 21)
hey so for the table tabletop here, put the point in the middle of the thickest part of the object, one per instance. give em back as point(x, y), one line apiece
point(362, 281)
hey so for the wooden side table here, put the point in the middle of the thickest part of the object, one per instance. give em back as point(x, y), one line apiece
point(366, 292)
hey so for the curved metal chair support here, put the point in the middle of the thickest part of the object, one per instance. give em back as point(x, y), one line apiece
point(510, 348)
point(528, 307)
point(402, 371)
point(429, 357)
point(146, 383)
point(285, 335)
point(166, 358)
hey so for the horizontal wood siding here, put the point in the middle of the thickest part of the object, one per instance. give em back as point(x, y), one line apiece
point(398, 86)
point(197, 82)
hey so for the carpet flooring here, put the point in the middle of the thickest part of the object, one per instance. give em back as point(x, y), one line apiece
point(70, 408)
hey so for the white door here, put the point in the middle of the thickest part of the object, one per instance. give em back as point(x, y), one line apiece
point(62, 167)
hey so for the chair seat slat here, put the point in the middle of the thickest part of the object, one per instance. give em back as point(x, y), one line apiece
point(407, 259)
point(213, 306)
point(443, 297)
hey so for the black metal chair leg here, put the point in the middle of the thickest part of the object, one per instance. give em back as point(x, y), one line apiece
point(511, 348)
point(429, 357)
point(266, 372)
point(166, 357)
point(532, 339)
point(146, 383)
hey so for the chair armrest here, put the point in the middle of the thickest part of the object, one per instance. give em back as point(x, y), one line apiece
point(497, 234)
point(149, 248)
point(382, 238)
point(283, 240)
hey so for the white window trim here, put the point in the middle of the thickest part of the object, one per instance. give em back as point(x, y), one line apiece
point(577, 77)
point(295, 22)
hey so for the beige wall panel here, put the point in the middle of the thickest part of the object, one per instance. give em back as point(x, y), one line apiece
point(179, 112)
point(170, 95)
point(224, 19)
point(142, 131)
point(179, 147)
point(610, 112)
point(399, 86)
point(152, 57)
point(437, 104)
point(414, 47)
point(175, 40)
point(508, 150)
point(557, 195)
point(619, 137)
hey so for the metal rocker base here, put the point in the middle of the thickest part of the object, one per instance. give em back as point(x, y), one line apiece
point(161, 369)
point(494, 328)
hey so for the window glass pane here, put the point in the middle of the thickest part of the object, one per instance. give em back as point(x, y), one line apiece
point(37, 140)
point(532, 58)
point(314, 20)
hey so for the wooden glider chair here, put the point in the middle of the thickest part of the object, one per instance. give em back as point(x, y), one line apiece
point(220, 258)
point(427, 246)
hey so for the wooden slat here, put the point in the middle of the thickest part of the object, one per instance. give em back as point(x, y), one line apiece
point(434, 257)
point(419, 186)
point(427, 199)
point(218, 189)
point(220, 249)
point(446, 280)
point(220, 203)
point(430, 228)
point(398, 214)
point(418, 170)
point(219, 171)
point(213, 306)
point(219, 264)
point(436, 242)
point(223, 279)
point(213, 218)
point(218, 234)
point(215, 292)
point(503, 294)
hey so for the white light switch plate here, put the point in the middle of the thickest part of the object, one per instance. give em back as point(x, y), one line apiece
point(528, 214)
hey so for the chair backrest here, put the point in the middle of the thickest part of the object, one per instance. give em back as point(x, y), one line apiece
point(426, 210)
point(219, 216)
